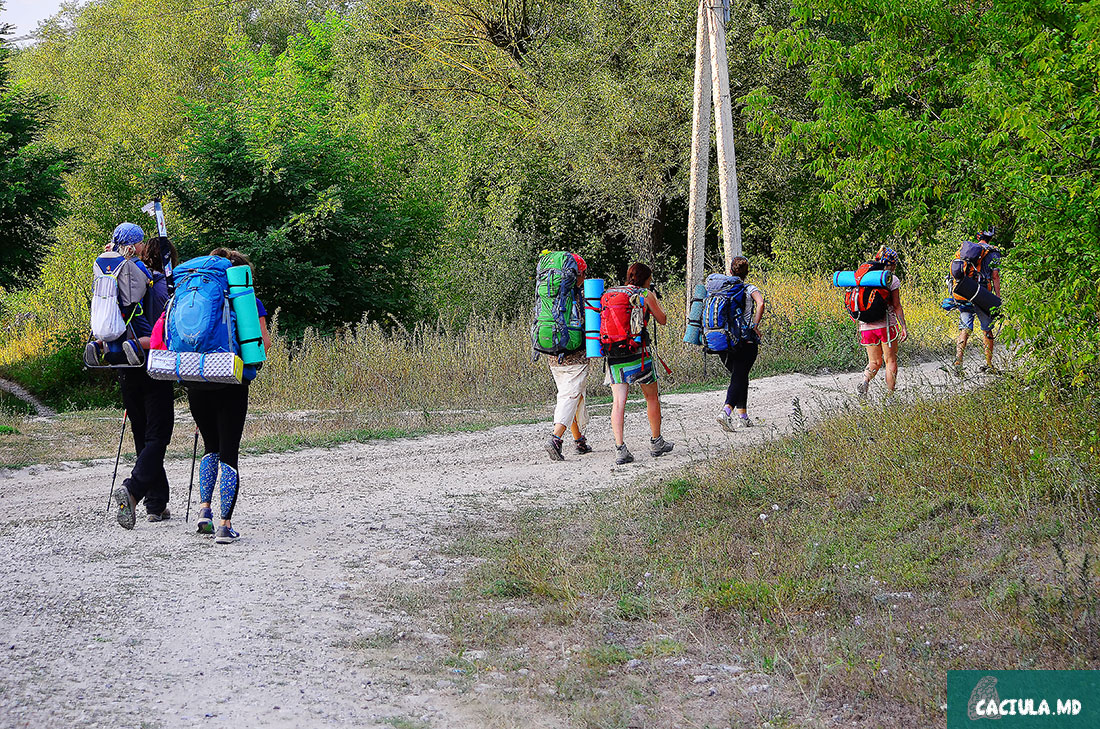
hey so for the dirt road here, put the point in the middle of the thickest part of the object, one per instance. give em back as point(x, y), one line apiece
point(159, 627)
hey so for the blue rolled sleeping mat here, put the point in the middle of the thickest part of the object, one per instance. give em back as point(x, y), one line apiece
point(593, 290)
point(693, 333)
point(847, 279)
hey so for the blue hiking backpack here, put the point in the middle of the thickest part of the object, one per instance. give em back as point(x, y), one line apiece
point(724, 324)
point(199, 317)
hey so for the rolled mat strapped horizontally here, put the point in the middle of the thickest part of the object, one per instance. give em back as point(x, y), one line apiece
point(242, 298)
point(593, 290)
point(847, 279)
point(968, 289)
point(693, 333)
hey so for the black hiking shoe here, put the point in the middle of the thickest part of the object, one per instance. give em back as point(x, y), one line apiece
point(225, 535)
point(126, 515)
point(622, 455)
point(582, 446)
point(206, 521)
point(659, 446)
point(553, 447)
point(162, 516)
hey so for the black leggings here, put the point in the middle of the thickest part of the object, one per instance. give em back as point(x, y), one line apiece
point(739, 361)
point(220, 415)
point(149, 408)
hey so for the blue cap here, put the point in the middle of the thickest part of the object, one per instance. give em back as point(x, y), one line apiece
point(127, 234)
point(986, 235)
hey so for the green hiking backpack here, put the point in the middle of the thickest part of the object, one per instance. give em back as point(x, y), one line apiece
point(558, 327)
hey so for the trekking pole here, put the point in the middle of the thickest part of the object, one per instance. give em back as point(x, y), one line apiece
point(121, 435)
point(190, 486)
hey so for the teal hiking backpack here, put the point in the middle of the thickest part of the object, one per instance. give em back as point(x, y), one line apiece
point(558, 327)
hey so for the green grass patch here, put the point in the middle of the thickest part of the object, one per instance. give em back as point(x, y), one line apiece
point(859, 559)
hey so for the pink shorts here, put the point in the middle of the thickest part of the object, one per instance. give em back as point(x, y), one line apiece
point(881, 335)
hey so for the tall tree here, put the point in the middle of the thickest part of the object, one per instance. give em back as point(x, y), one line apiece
point(31, 189)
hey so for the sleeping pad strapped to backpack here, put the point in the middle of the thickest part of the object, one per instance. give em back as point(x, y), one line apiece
point(724, 324)
point(558, 327)
point(867, 303)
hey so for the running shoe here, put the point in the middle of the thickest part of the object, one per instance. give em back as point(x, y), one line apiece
point(133, 353)
point(659, 446)
point(622, 455)
point(726, 421)
point(92, 354)
point(126, 515)
point(206, 521)
point(553, 447)
point(162, 516)
point(740, 423)
point(225, 535)
point(582, 446)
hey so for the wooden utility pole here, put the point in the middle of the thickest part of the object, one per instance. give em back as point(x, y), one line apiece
point(711, 81)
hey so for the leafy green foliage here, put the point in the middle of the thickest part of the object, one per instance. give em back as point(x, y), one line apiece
point(976, 114)
point(31, 193)
point(274, 169)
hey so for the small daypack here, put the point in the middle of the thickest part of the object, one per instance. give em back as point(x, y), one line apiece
point(118, 283)
point(724, 324)
point(199, 318)
point(623, 318)
point(867, 303)
point(558, 327)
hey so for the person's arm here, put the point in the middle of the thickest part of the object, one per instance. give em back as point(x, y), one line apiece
point(758, 315)
point(899, 312)
point(263, 333)
point(995, 277)
point(655, 308)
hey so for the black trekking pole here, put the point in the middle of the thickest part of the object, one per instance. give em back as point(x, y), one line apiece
point(190, 486)
point(121, 435)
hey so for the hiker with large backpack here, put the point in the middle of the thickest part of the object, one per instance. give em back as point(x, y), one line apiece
point(201, 340)
point(625, 340)
point(730, 321)
point(881, 318)
point(557, 333)
point(148, 402)
point(979, 262)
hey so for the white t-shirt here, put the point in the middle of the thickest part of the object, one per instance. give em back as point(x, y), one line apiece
point(750, 304)
point(891, 317)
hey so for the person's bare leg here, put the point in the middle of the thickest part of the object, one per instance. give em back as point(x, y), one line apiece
point(988, 348)
point(874, 364)
point(618, 411)
point(559, 429)
point(890, 352)
point(653, 408)
point(960, 346)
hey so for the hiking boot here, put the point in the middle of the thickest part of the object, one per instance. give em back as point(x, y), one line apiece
point(862, 388)
point(622, 455)
point(989, 370)
point(582, 446)
point(225, 535)
point(726, 421)
point(92, 354)
point(553, 447)
point(206, 521)
point(126, 516)
point(133, 353)
point(162, 516)
point(659, 446)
